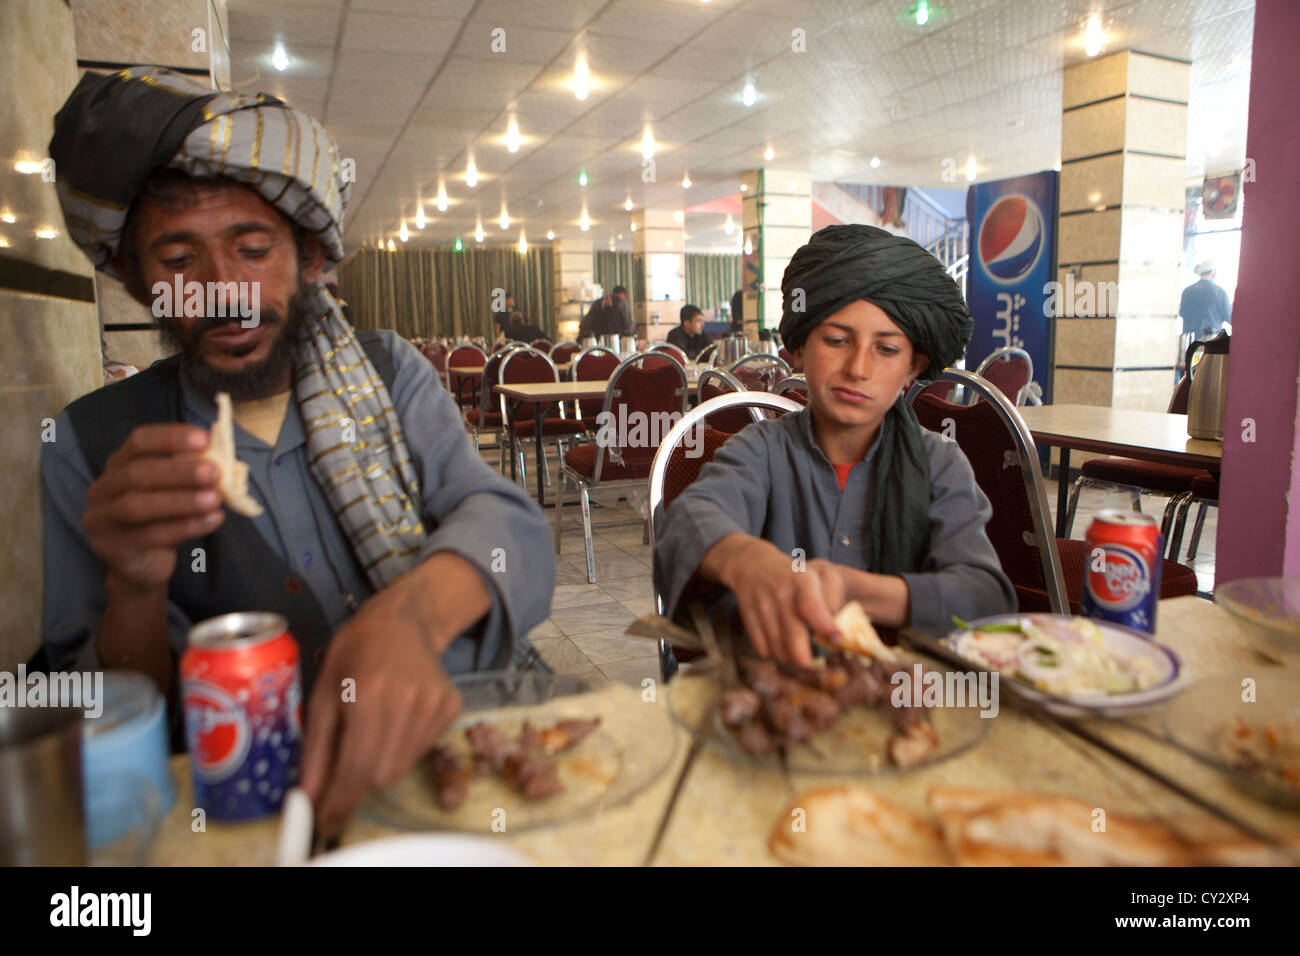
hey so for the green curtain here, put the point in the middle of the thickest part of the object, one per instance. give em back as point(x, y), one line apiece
point(610, 269)
point(423, 293)
point(711, 280)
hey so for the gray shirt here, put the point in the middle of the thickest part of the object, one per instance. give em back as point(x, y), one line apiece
point(773, 481)
point(469, 509)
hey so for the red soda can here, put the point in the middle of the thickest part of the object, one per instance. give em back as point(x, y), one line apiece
point(1121, 576)
point(243, 722)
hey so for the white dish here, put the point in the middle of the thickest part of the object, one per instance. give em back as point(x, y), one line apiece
point(1170, 673)
point(426, 849)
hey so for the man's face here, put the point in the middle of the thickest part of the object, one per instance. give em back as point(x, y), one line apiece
point(695, 324)
point(510, 304)
point(223, 234)
point(621, 296)
point(856, 362)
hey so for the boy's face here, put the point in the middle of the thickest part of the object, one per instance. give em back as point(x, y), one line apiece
point(856, 362)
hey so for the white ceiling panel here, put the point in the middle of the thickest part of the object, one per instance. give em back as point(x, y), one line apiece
point(401, 33)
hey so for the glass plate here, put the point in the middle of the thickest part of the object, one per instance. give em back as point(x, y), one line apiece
point(1271, 603)
point(1196, 719)
point(854, 745)
point(624, 755)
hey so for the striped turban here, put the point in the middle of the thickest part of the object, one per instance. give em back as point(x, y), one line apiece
point(117, 130)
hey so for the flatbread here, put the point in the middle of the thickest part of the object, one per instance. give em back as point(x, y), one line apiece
point(993, 827)
point(233, 481)
point(852, 826)
point(857, 636)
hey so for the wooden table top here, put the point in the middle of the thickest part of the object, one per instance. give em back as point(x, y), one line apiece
point(474, 370)
point(727, 809)
point(1154, 436)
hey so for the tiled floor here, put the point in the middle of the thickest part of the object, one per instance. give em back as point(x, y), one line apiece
point(584, 634)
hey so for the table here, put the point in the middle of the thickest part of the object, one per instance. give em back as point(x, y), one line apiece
point(1148, 436)
point(726, 809)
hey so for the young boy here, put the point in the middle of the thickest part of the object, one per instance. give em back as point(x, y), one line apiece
point(849, 499)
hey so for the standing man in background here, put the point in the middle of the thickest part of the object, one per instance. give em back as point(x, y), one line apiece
point(1205, 306)
point(610, 315)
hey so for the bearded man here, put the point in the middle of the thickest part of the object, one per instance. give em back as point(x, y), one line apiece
point(396, 554)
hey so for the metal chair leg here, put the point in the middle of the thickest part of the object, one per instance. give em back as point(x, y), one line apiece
point(1171, 509)
point(1196, 530)
point(1074, 504)
point(586, 533)
point(1136, 498)
point(558, 505)
point(1176, 544)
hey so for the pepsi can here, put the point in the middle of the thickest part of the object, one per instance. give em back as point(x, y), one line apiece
point(242, 698)
point(1121, 576)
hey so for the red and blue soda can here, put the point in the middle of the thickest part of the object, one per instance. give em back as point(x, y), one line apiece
point(243, 713)
point(1121, 577)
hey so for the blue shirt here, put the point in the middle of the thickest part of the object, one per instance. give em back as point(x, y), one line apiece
point(1204, 308)
point(772, 480)
point(469, 509)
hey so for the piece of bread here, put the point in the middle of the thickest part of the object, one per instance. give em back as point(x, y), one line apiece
point(233, 481)
point(992, 827)
point(852, 826)
point(857, 636)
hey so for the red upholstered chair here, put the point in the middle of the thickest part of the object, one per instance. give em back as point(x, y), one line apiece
point(542, 345)
point(672, 350)
point(1047, 571)
point(795, 387)
point(1140, 478)
point(563, 352)
point(1205, 492)
point(760, 371)
point(731, 419)
point(646, 395)
point(707, 354)
point(941, 390)
point(1011, 369)
point(487, 416)
point(675, 467)
point(529, 365)
point(464, 388)
point(595, 364)
point(789, 358)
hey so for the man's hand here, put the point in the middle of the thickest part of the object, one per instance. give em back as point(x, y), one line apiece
point(404, 698)
point(781, 608)
point(149, 499)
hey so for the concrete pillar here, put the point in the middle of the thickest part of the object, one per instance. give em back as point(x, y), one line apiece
point(191, 36)
point(776, 218)
point(1120, 230)
point(1259, 495)
point(573, 272)
point(49, 329)
point(659, 245)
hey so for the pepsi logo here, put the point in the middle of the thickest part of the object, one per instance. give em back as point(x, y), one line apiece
point(1011, 238)
point(216, 729)
point(1124, 583)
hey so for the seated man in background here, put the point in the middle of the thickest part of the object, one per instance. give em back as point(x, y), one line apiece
point(396, 554)
point(689, 336)
point(849, 499)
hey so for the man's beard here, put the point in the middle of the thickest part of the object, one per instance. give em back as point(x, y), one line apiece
point(253, 381)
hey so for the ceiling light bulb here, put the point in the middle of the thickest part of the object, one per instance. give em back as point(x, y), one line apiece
point(442, 196)
point(728, 227)
point(582, 178)
point(504, 220)
point(768, 154)
point(419, 216)
point(748, 95)
point(7, 217)
point(647, 144)
point(971, 169)
point(922, 13)
point(402, 233)
point(391, 246)
point(1093, 35)
point(280, 59)
point(749, 247)
point(744, 188)
point(512, 136)
point(875, 162)
point(47, 232)
point(459, 246)
point(478, 232)
point(523, 243)
point(471, 173)
point(550, 234)
point(686, 181)
point(581, 77)
point(678, 215)
point(628, 204)
point(585, 222)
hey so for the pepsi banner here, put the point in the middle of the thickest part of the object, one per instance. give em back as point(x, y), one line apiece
point(1012, 262)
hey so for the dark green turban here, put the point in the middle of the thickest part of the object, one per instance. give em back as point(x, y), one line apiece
point(842, 264)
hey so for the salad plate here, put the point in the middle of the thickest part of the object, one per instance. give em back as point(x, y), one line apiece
point(1074, 665)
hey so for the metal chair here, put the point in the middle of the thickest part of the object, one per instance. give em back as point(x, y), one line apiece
point(647, 389)
point(1012, 370)
point(593, 364)
point(713, 382)
point(488, 415)
point(672, 470)
point(542, 345)
point(759, 371)
point(562, 352)
point(1204, 492)
point(529, 365)
point(796, 387)
point(1047, 571)
point(464, 388)
point(672, 350)
point(707, 354)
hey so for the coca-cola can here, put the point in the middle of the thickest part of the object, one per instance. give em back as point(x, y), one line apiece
point(1121, 577)
point(241, 691)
